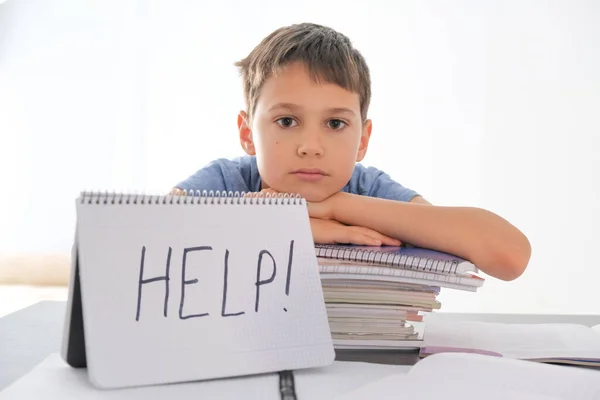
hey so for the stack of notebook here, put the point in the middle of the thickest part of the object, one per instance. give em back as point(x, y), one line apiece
point(376, 296)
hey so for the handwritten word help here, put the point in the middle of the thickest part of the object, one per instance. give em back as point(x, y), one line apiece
point(266, 271)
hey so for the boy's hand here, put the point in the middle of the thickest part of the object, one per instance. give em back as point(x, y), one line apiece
point(327, 231)
point(324, 209)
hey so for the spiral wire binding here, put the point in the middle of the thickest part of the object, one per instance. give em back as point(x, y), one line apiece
point(387, 259)
point(287, 386)
point(191, 197)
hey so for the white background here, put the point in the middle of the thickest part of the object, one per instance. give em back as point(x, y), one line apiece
point(481, 103)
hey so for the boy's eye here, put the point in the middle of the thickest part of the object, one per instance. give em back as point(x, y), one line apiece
point(336, 124)
point(286, 122)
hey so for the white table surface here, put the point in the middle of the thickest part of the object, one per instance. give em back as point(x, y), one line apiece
point(29, 336)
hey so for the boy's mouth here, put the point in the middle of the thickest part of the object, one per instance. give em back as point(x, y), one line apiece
point(309, 174)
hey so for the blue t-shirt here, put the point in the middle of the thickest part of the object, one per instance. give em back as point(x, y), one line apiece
point(241, 175)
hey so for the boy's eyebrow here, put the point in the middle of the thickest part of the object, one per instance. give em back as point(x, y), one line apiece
point(289, 106)
point(293, 107)
point(336, 110)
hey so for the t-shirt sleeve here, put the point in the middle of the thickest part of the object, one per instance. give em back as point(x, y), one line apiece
point(384, 187)
point(209, 177)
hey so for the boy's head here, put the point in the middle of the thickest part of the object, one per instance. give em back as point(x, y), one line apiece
point(307, 92)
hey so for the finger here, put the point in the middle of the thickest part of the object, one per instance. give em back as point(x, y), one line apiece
point(362, 239)
point(262, 193)
point(389, 241)
point(354, 236)
point(374, 234)
point(269, 191)
point(384, 239)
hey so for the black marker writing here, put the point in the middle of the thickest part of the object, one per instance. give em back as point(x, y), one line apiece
point(224, 304)
point(185, 282)
point(143, 281)
point(289, 271)
point(259, 283)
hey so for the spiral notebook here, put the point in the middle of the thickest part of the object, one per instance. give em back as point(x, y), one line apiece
point(376, 297)
point(410, 258)
point(169, 289)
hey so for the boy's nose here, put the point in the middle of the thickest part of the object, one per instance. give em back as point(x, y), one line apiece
point(310, 148)
point(310, 143)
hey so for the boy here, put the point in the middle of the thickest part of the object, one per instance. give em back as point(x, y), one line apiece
point(307, 92)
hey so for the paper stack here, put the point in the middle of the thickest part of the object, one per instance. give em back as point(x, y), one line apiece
point(376, 296)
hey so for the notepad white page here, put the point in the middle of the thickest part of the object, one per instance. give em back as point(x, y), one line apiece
point(276, 325)
point(521, 341)
point(472, 376)
point(52, 379)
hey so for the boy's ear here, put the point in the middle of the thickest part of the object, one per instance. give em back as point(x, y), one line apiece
point(245, 133)
point(364, 140)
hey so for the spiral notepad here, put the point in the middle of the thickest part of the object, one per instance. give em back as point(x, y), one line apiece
point(203, 286)
point(411, 258)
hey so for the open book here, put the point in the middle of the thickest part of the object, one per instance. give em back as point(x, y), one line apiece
point(553, 343)
point(475, 377)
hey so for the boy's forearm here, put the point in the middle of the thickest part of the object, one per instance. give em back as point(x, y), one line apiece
point(487, 240)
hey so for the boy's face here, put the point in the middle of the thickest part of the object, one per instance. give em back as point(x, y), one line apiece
point(307, 137)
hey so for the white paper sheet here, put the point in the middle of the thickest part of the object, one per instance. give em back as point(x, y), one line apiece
point(471, 376)
point(521, 341)
point(54, 380)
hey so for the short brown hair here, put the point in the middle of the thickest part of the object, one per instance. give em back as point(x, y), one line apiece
point(328, 55)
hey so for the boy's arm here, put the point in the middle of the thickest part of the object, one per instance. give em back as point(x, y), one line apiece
point(494, 245)
point(420, 200)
